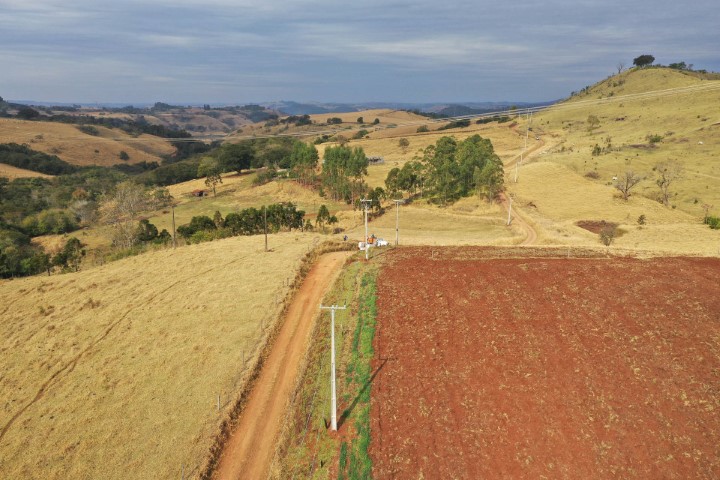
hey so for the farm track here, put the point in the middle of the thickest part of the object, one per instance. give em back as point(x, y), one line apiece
point(530, 233)
point(249, 450)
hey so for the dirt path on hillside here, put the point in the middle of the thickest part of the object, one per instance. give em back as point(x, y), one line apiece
point(250, 448)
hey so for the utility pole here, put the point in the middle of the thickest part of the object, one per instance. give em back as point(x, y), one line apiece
point(265, 223)
point(173, 220)
point(527, 132)
point(366, 203)
point(510, 199)
point(397, 220)
point(333, 406)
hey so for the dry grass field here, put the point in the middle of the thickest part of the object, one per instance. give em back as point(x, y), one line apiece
point(687, 120)
point(78, 148)
point(10, 172)
point(115, 372)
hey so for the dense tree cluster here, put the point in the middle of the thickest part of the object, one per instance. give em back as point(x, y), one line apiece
point(342, 172)
point(450, 170)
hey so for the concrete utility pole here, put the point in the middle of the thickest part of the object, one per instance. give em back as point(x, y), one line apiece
point(510, 199)
point(265, 223)
point(397, 220)
point(333, 406)
point(366, 203)
point(527, 132)
point(173, 220)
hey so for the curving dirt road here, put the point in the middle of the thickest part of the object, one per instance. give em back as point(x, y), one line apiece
point(251, 446)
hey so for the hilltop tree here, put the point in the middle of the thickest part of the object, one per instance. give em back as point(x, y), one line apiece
point(210, 169)
point(667, 174)
point(620, 67)
point(643, 61)
point(626, 183)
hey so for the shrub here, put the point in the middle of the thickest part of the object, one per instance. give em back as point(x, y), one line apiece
point(641, 220)
point(592, 174)
point(608, 234)
point(423, 129)
point(653, 139)
point(713, 222)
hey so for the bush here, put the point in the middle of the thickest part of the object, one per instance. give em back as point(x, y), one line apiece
point(713, 222)
point(422, 129)
point(653, 139)
point(592, 174)
point(89, 130)
point(608, 234)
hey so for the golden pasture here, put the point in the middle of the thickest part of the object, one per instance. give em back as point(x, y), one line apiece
point(115, 371)
point(78, 148)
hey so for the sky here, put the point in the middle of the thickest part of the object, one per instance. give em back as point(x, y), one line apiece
point(420, 51)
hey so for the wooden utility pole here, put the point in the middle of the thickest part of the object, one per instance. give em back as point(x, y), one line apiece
point(333, 399)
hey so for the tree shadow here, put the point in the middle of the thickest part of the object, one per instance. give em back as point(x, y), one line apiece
point(346, 413)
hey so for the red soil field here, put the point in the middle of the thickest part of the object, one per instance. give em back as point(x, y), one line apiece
point(532, 367)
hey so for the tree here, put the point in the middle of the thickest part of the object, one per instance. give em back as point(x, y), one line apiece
point(124, 156)
point(210, 169)
point(236, 156)
point(303, 162)
point(121, 210)
point(376, 121)
point(667, 174)
point(146, 231)
point(323, 217)
point(404, 143)
point(626, 182)
point(360, 120)
point(70, 256)
point(620, 67)
point(643, 61)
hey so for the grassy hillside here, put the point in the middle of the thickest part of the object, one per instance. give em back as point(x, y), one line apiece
point(78, 148)
point(682, 113)
point(115, 372)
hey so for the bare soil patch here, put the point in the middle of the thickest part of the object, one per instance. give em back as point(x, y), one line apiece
point(594, 226)
point(546, 367)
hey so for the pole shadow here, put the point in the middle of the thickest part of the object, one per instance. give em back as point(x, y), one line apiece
point(346, 413)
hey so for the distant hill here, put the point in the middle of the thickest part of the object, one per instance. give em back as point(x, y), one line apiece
point(444, 109)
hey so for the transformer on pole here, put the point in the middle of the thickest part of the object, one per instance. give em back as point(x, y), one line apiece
point(333, 400)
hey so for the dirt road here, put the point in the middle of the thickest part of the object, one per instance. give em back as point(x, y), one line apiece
point(249, 450)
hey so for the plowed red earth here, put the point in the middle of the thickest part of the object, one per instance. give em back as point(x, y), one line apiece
point(546, 367)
